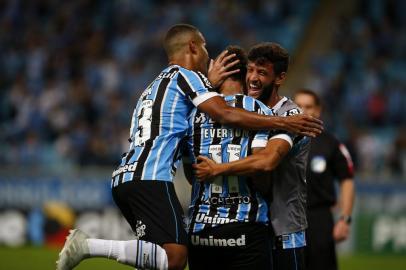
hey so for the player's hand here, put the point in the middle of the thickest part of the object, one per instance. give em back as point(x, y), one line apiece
point(204, 170)
point(220, 68)
point(341, 231)
point(303, 124)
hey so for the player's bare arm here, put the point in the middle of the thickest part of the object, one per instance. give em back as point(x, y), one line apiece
point(262, 161)
point(220, 112)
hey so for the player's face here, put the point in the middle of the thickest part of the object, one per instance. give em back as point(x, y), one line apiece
point(202, 54)
point(308, 105)
point(259, 79)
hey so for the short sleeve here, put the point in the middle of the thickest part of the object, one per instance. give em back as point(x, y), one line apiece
point(341, 163)
point(195, 86)
point(260, 139)
point(291, 138)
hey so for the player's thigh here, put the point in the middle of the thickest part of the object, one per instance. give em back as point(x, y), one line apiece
point(153, 211)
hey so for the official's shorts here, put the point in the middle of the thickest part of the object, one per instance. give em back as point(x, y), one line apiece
point(153, 211)
point(231, 246)
point(320, 250)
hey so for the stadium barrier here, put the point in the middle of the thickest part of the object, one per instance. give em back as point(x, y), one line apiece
point(40, 211)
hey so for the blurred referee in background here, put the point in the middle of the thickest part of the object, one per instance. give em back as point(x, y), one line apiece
point(329, 161)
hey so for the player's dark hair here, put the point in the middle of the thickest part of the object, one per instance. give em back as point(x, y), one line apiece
point(270, 52)
point(173, 33)
point(241, 55)
point(309, 92)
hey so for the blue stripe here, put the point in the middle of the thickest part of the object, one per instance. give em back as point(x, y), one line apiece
point(173, 211)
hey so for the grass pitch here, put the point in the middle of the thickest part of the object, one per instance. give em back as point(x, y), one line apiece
point(35, 258)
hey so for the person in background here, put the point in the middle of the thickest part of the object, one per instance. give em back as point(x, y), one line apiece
point(329, 161)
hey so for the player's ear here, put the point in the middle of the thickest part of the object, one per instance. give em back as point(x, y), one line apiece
point(280, 78)
point(193, 46)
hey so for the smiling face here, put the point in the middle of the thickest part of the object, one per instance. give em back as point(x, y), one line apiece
point(260, 79)
point(266, 71)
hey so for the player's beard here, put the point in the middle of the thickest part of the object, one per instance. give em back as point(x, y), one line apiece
point(266, 92)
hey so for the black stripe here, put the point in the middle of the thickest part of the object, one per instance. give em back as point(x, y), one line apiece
point(236, 140)
point(155, 124)
point(205, 81)
point(185, 87)
point(197, 134)
point(252, 214)
point(178, 152)
point(216, 140)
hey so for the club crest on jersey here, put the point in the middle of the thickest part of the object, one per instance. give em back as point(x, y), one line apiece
point(318, 164)
point(140, 229)
point(292, 112)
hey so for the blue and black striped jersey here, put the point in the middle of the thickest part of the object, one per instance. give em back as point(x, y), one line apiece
point(228, 198)
point(159, 123)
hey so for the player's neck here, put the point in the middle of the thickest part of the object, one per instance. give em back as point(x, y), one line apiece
point(273, 99)
point(231, 87)
point(183, 61)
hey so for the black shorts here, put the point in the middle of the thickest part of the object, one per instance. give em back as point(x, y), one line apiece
point(231, 246)
point(320, 250)
point(153, 211)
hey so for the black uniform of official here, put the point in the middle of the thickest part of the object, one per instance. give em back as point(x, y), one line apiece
point(329, 161)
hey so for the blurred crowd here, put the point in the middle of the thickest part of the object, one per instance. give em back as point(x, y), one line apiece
point(71, 72)
point(362, 80)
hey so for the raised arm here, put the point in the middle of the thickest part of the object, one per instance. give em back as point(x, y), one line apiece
point(262, 161)
point(220, 112)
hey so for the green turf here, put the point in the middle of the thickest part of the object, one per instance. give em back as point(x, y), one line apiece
point(43, 259)
point(372, 262)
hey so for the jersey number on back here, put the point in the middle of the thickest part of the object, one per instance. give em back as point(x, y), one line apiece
point(144, 117)
point(234, 152)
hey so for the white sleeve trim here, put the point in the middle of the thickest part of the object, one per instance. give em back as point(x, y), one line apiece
point(259, 143)
point(203, 97)
point(283, 137)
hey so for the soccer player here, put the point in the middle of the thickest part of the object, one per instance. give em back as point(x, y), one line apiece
point(228, 217)
point(142, 184)
point(284, 158)
point(329, 161)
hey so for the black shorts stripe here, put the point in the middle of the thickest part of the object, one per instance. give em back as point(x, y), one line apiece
point(184, 85)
